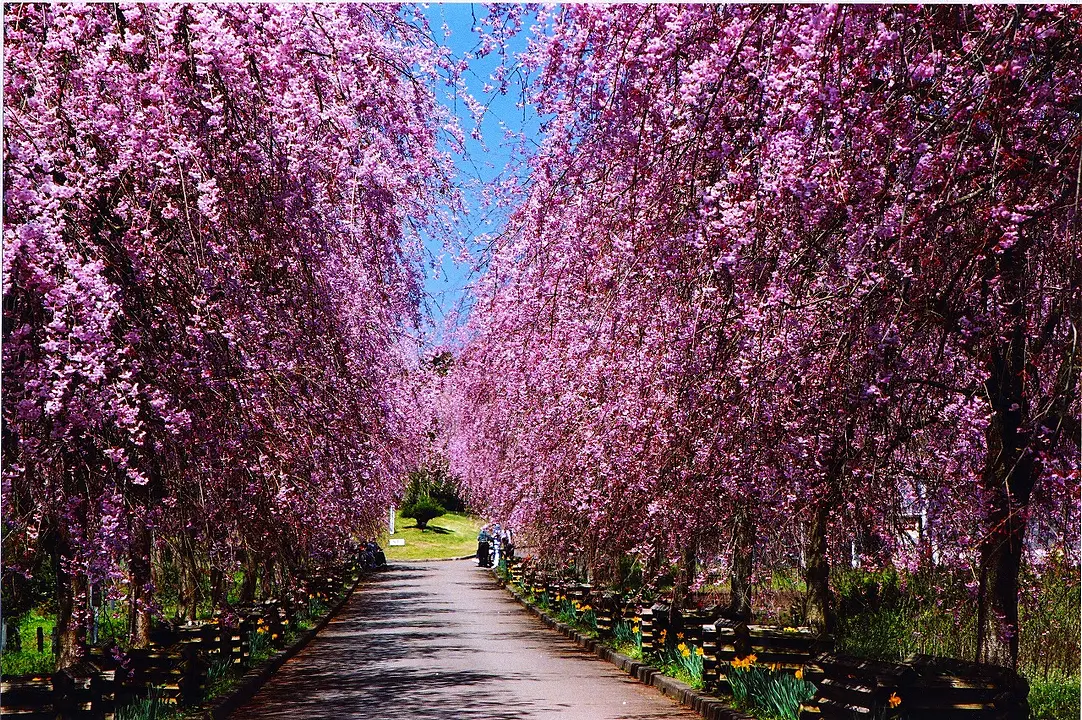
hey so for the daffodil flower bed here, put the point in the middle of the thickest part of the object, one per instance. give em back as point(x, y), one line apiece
point(768, 691)
point(577, 614)
point(683, 662)
point(627, 638)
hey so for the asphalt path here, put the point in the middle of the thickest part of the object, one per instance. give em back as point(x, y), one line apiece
point(443, 640)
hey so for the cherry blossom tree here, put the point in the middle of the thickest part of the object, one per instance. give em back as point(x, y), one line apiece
point(208, 287)
point(814, 265)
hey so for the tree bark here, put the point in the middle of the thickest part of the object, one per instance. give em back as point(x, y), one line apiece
point(70, 601)
point(218, 593)
point(267, 578)
point(191, 593)
point(247, 586)
point(1010, 473)
point(997, 595)
point(685, 575)
point(141, 594)
point(819, 611)
point(743, 564)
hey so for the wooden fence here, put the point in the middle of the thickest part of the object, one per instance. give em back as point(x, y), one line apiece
point(847, 688)
point(174, 668)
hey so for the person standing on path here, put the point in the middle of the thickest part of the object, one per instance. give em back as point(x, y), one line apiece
point(483, 548)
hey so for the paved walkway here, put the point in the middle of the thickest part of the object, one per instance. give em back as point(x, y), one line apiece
point(442, 640)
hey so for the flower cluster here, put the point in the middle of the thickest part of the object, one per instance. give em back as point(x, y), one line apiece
point(743, 663)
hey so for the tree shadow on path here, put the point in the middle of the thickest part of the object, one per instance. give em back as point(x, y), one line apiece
point(431, 641)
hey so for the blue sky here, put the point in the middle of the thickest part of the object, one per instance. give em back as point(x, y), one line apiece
point(483, 162)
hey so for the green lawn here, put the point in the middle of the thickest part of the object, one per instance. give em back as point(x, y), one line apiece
point(448, 536)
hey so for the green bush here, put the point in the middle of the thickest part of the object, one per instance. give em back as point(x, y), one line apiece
point(220, 678)
point(423, 510)
point(259, 646)
point(435, 485)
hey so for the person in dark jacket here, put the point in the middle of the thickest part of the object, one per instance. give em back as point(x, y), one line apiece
point(483, 545)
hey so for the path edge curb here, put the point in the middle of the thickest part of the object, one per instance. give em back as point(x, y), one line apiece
point(708, 706)
point(254, 679)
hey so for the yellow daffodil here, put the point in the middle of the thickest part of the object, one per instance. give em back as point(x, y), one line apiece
point(685, 652)
point(681, 647)
point(799, 673)
point(699, 651)
point(894, 700)
point(744, 663)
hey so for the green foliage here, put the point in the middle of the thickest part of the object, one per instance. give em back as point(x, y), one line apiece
point(629, 574)
point(152, 707)
point(259, 644)
point(455, 537)
point(627, 639)
point(435, 485)
point(26, 662)
point(768, 693)
point(423, 510)
point(1055, 698)
point(311, 614)
point(112, 626)
point(571, 612)
point(220, 678)
point(888, 616)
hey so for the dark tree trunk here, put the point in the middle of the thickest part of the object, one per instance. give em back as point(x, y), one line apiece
point(685, 575)
point(819, 611)
point(247, 586)
point(191, 592)
point(219, 595)
point(141, 595)
point(267, 578)
point(1010, 474)
point(1015, 439)
point(743, 565)
point(997, 595)
point(71, 603)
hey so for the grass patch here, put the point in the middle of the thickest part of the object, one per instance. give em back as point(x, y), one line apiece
point(448, 536)
point(27, 660)
point(27, 663)
point(1055, 698)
